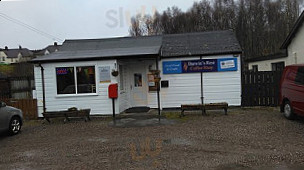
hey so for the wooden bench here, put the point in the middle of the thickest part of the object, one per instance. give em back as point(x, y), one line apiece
point(85, 113)
point(204, 107)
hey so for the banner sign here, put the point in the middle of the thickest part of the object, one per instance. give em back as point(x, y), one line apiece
point(205, 65)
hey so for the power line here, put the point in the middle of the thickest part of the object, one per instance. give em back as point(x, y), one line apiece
point(47, 35)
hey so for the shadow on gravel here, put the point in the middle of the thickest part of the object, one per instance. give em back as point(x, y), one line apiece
point(135, 122)
point(3, 135)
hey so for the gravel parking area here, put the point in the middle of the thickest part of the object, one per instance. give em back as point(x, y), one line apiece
point(252, 138)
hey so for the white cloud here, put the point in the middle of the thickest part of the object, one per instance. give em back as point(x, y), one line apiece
point(75, 19)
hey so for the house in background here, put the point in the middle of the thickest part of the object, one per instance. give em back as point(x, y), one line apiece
point(294, 46)
point(10, 56)
point(274, 62)
point(48, 50)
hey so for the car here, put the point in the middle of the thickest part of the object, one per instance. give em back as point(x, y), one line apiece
point(292, 91)
point(11, 119)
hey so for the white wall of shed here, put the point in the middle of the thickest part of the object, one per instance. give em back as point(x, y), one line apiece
point(186, 88)
point(99, 104)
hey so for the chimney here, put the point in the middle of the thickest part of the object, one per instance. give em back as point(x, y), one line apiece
point(20, 47)
point(55, 44)
point(6, 48)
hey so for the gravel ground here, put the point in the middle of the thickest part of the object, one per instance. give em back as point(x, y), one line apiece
point(252, 138)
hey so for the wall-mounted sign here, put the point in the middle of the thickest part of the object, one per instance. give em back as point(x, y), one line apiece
point(104, 74)
point(172, 67)
point(204, 65)
point(153, 80)
point(209, 65)
point(227, 64)
point(62, 71)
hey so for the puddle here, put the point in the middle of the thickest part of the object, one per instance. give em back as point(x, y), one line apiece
point(30, 153)
point(98, 140)
point(130, 122)
point(178, 141)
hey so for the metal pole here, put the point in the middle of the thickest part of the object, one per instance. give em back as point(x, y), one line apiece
point(158, 89)
point(113, 105)
point(43, 87)
point(202, 87)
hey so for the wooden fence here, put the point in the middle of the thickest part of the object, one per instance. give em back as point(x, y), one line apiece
point(17, 87)
point(261, 88)
point(28, 106)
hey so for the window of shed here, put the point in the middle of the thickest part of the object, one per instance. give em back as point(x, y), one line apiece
point(65, 80)
point(76, 80)
point(86, 82)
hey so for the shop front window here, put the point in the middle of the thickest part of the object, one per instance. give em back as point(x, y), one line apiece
point(67, 80)
point(86, 80)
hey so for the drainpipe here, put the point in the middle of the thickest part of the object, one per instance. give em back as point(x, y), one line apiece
point(295, 57)
point(43, 87)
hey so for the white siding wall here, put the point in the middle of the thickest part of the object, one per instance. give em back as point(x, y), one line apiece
point(296, 48)
point(186, 88)
point(124, 102)
point(266, 64)
point(99, 104)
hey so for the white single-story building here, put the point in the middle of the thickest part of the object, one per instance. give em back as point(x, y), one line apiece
point(294, 44)
point(191, 67)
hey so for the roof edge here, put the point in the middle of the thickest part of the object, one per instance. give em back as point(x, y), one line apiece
point(293, 31)
point(207, 54)
point(269, 57)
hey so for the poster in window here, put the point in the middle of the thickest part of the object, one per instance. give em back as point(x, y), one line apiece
point(104, 74)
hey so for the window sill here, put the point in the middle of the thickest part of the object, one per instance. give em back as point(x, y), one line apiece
point(75, 95)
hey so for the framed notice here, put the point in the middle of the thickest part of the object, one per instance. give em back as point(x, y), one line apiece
point(104, 74)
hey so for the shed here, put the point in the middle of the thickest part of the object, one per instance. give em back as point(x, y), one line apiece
point(192, 68)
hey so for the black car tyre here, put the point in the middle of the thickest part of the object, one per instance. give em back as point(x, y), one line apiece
point(14, 126)
point(288, 111)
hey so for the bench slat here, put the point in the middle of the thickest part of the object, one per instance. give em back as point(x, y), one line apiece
point(204, 107)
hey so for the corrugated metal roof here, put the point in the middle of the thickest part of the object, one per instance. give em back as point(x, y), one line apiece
point(190, 44)
point(111, 43)
point(105, 48)
point(202, 43)
point(98, 54)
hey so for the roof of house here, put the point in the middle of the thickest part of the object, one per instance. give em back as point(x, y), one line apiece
point(13, 53)
point(50, 49)
point(202, 43)
point(53, 48)
point(190, 44)
point(89, 49)
point(281, 54)
point(293, 31)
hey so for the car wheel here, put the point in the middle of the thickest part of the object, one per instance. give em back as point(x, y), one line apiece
point(288, 112)
point(14, 126)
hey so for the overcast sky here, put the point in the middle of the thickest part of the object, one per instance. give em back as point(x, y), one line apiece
point(22, 20)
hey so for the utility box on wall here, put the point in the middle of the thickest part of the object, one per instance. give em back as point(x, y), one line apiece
point(113, 91)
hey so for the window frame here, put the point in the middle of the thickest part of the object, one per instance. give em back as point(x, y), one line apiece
point(75, 78)
point(274, 66)
point(297, 74)
point(255, 68)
